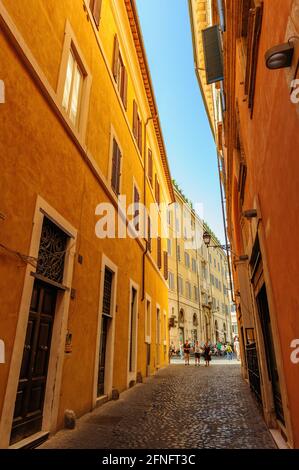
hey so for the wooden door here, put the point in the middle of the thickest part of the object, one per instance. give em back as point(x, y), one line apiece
point(29, 404)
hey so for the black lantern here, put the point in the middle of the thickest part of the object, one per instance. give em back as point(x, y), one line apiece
point(206, 238)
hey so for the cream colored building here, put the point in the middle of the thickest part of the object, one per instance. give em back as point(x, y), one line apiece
point(199, 305)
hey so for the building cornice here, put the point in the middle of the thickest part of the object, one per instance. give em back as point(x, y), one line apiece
point(144, 68)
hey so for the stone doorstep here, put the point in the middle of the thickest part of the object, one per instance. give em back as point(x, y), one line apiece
point(278, 439)
point(32, 441)
point(101, 400)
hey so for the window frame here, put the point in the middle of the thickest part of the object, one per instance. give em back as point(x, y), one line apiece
point(71, 45)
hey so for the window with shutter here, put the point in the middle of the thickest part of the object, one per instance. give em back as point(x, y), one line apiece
point(149, 237)
point(136, 208)
point(150, 166)
point(157, 190)
point(120, 73)
point(165, 265)
point(95, 8)
point(159, 254)
point(115, 171)
point(137, 126)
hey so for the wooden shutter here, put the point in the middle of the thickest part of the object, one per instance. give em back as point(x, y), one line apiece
point(165, 265)
point(114, 166)
point(159, 254)
point(149, 239)
point(139, 135)
point(135, 116)
point(115, 171)
point(125, 90)
point(95, 6)
point(150, 166)
point(157, 190)
point(118, 161)
point(136, 208)
point(115, 58)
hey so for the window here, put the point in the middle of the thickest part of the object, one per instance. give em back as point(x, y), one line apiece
point(188, 290)
point(159, 255)
point(214, 263)
point(157, 190)
point(150, 167)
point(147, 323)
point(169, 246)
point(181, 289)
point(169, 216)
point(120, 73)
point(107, 293)
point(137, 126)
point(95, 8)
point(171, 280)
point(195, 293)
point(179, 253)
point(115, 170)
point(187, 260)
point(72, 93)
point(165, 265)
point(136, 208)
point(194, 265)
point(149, 235)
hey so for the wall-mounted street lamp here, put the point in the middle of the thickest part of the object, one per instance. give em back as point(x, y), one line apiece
point(280, 56)
point(207, 240)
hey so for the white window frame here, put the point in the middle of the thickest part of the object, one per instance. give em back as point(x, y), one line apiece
point(114, 136)
point(71, 44)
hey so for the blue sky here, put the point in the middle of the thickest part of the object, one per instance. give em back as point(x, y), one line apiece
point(190, 146)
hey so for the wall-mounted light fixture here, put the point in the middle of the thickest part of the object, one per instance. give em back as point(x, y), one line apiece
point(280, 56)
point(250, 214)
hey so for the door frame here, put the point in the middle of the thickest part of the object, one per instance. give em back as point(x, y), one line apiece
point(258, 229)
point(109, 358)
point(55, 367)
point(132, 375)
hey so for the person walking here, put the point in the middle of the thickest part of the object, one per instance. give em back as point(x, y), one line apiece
point(229, 352)
point(197, 353)
point(237, 348)
point(207, 353)
point(187, 352)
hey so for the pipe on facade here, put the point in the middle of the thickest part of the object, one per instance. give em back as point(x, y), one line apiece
point(144, 207)
point(225, 230)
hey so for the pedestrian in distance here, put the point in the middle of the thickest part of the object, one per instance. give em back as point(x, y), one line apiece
point(237, 348)
point(187, 352)
point(197, 353)
point(229, 352)
point(207, 353)
point(181, 350)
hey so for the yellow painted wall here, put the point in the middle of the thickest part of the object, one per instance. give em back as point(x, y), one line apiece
point(39, 158)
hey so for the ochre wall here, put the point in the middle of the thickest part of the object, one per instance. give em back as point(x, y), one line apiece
point(271, 141)
point(39, 158)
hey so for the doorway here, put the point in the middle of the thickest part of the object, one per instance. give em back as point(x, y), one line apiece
point(263, 309)
point(28, 412)
point(105, 327)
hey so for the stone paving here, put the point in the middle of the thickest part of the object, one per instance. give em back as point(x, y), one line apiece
point(180, 407)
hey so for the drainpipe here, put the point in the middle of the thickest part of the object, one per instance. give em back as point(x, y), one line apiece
point(144, 205)
point(198, 287)
point(225, 232)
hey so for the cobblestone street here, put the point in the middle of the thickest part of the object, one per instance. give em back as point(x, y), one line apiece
point(180, 407)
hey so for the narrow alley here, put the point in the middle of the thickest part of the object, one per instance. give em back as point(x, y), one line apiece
point(179, 407)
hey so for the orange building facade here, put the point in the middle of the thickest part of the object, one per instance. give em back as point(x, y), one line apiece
point(83, 317)
point(257, 137)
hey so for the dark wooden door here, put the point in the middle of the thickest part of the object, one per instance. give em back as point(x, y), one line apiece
point(28, 411)
point(102, 361)
point(263, 308)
